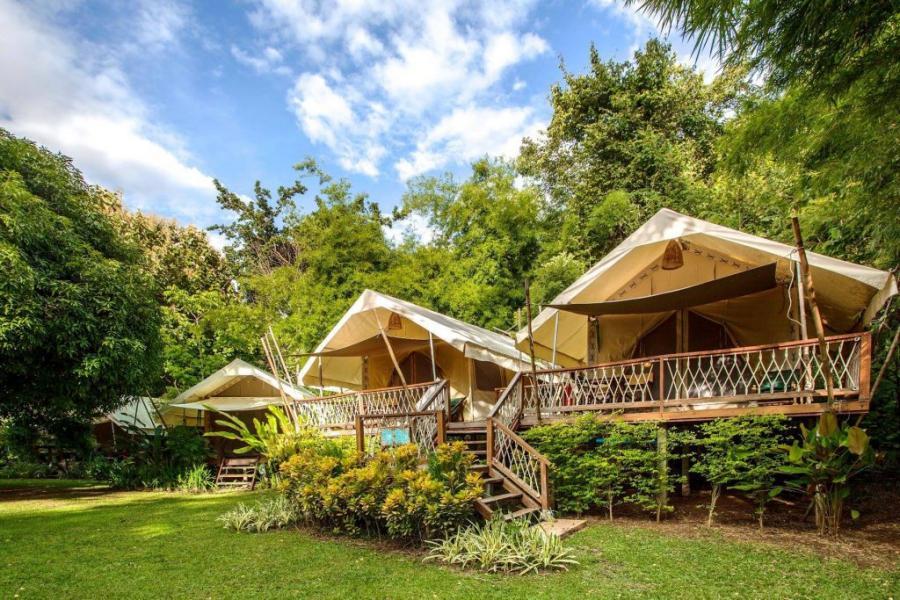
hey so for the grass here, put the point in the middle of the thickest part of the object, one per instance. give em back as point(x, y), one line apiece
point(65, 540)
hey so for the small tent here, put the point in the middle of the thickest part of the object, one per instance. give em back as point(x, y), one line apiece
point(728, 287)
point(356, 354)
point(238, 386)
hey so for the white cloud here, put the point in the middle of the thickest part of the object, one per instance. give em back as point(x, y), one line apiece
point(270, 60)
point(78, 102)
point(469, 133)
point(159, 23)
point(382, 74)
point(414, 225)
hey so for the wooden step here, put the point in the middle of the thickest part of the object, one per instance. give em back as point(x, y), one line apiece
point(522, 512)
point(491, 480)
point(502, 497)
point(479, 468)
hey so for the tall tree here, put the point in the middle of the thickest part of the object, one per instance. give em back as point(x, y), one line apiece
point(625, 139)
point(490, 229)
point(79, 321)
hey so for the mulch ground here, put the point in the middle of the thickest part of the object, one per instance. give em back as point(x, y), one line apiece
point(871, 540)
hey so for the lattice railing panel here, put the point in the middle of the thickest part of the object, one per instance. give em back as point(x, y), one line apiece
point(517, 459)
point(340, 410)
point(590, 387)
point(508, 407)
point(762, 371)
point(328, 411)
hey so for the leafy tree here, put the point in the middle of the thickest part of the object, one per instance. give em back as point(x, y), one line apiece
point(626, 139)
point(79, 323)
point(490, 229)
point(743, 453)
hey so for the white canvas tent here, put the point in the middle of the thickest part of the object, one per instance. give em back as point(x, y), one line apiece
point(849, 295)
point(354, 354)
point(238, 386)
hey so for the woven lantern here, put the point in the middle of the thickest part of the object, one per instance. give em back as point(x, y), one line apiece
point(673, 258)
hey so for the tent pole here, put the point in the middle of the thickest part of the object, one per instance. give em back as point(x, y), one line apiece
point(801, 303)
point(433, 365)
point(390, 349)
point(814, 308)
point(534, 380)
point(555, 334)
point(321, 379)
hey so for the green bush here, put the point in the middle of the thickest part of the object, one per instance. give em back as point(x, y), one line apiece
point(743, 453)
point(196, 480)
point(498, 545)
point(391, 492)
point(603, 463)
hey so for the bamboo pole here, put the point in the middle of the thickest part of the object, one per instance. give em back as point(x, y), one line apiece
point(390, 349)
point(534, 380)
point(555, 336)
point(433, 364)
point(814, 309)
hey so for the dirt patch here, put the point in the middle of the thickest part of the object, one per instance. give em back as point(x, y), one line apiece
point(871, 541)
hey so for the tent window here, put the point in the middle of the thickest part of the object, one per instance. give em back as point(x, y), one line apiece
point(488, 376)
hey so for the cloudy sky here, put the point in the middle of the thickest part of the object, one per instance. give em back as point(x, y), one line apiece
point(156, 97)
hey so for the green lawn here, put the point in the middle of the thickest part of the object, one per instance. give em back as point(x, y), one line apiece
point(78, 542)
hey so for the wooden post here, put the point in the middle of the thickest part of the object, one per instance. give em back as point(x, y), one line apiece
point(360, 435)
point(545, 487)
point(441, 427)
point(433, 364)
point(662, 384)
point(593, 347)
point(365, 372)
point(390, 348)
point(662, 449)
point(534, 383)
point(685, 476)
point(489, 443)
point(814, 308)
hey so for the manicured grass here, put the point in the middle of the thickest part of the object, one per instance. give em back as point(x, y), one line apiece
point(73, 543)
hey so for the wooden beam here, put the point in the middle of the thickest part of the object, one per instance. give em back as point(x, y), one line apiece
point(814, 308)
point(387, 342)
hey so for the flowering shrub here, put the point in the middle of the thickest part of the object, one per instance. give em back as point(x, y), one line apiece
point(391, 492)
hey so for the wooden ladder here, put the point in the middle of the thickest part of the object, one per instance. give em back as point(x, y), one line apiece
point(501, 496)
point(237, 473)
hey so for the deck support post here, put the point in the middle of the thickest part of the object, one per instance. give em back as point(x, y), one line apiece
point(685, 476)
point(360, 435)
point(489, 442)
point(662, 449)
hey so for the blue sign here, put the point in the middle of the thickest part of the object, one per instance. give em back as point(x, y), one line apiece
point(395, 436)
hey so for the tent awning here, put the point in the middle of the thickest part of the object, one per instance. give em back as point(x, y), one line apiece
point(740, 284)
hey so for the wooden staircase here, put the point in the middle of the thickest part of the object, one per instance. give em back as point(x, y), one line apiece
point(501, 495)
point(237, 473)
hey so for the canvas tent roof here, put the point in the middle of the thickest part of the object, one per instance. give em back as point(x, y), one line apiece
point(138, 412)
point(358, 333)
point(237, 386)
point(848, 294)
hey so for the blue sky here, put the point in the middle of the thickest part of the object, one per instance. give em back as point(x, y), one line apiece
point(156, 98)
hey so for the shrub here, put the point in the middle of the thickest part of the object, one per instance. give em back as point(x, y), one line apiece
point(331, 486)
point(742, 453)
point(498, 545)
point(195, 480)
point(604, 463)
point(272, 513)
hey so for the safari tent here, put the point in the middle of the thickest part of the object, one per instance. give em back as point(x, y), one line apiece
point(379, 333)
point(142, 414)
point(680, 284)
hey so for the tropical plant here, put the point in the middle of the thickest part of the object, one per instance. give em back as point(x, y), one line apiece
point(743, 453)
point(500, 545)
point(195, 480)
point(822, 463)
point(276, 512)
point(276, 438)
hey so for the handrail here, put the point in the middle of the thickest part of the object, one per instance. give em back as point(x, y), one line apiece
point(356, 393)
point(434, 392)
point(505, 395)
point(519, 462)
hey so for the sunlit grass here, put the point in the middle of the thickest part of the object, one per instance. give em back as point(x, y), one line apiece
point(151, 545)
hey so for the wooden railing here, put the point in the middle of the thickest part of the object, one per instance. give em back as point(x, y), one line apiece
point(737, 378)
point(518, 462)
point(436, 397)
point(425, 429)
point(510, 406)
point(338, 411)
